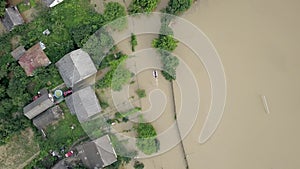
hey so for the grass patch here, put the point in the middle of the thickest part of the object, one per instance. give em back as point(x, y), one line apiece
point(20, 148)
point(24, 7)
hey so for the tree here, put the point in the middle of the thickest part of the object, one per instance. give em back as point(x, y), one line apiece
point(98, 45)
point(177, 7)
point(117, 76)
point(165, 42)
point(121, 76)
point(114, 15)
point(142, 6)
point(146, 138)
point(2, 7)
point(138, 165)
point(170, 64)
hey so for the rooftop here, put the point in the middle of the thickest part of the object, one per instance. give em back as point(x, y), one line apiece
point(34, 58)
point(48, 117)
point(38, 106)
point(83, 103)
point(98, 153)
point(75, 67)
point(12, 18)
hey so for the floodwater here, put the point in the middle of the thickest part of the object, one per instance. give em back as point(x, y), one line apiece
point(258, 43)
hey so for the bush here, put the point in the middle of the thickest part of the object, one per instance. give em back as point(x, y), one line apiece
point(2, 7)
point(165, 42)
point(114, 15)
point(117, 76)
point(141, 93)
point(133, 42)
point(142, 6)
point(177, 7)
point(138, 165)
point(146, 138)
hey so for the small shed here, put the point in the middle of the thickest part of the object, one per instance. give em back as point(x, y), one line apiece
point(48, 117)
point(34, 58)
point(98, 153)
point(75, 67)
point(38, 106)
point(18, 52)
point(12, 18)
point(83, 103)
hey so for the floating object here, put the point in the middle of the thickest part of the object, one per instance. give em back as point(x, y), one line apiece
point(155, 74)
point(265, 102)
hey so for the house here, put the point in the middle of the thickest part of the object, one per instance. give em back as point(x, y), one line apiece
point(42, 103)
point(97, 154)
point(33, 58)
point(18, 52)
point(77, 69)
point(12, 18)
point(48, 117)
point(83, 103)
point(51, 3)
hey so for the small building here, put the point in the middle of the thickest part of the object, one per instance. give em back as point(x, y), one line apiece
point(83, 103)
point(77, 69)
point(51, 3)
point(97, 154)
point(18, 52)
point(44, 102)
point(34, 58)
point(12, 18)
point(48, 117)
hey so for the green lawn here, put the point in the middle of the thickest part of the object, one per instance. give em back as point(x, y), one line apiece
point(22, 7)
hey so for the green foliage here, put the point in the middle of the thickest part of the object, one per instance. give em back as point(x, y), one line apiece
point(2, 7)
point(124, 116)
point(170, 64)
point(104, 104)
point(98, 45)
point(165, 21)
point(133, 42)
point(24, 7)
point(138, 165)
point(117, 76)
point(165, 42)
point(177, 7)
point(94, 127)
point(142, 6)
point(120, 77)
point(124, 156)
point(146, 138)
point(114, 15)
point(141, 93)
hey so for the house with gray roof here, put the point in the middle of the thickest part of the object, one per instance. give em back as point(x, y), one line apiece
point(52, 3)
point(48, 117)
point(77, 69)
point(97, 154)
point(83, 103)
point(12, 18)
point(38, 106)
